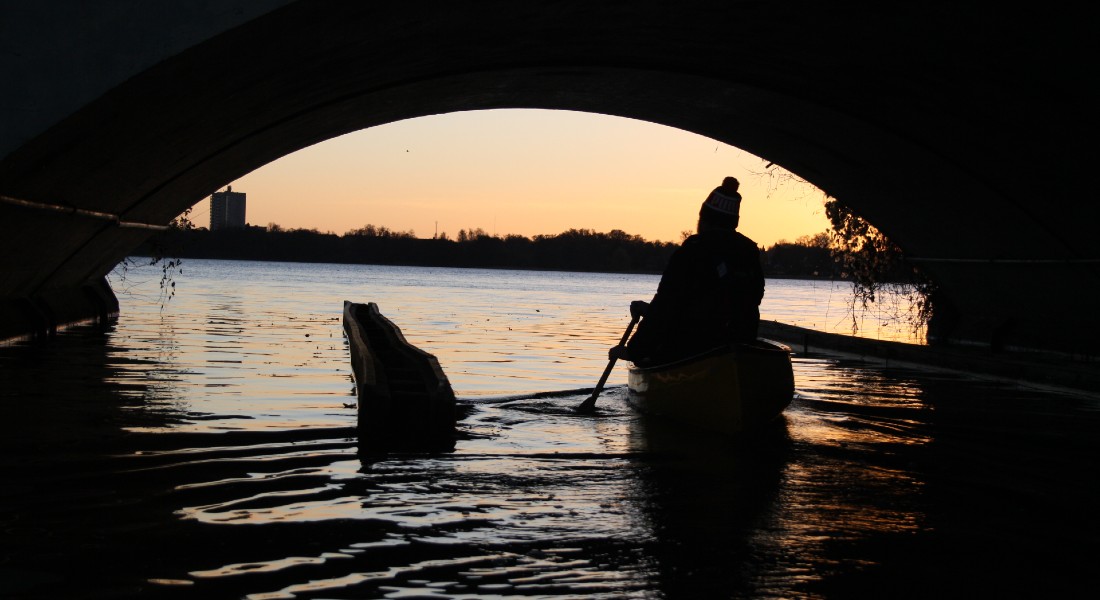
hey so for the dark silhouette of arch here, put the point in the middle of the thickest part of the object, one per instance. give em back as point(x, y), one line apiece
point(960, 131)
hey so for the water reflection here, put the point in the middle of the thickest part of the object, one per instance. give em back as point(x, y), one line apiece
point(78, 390)
point(527, 506)
point(708, 501)
point(144, 462)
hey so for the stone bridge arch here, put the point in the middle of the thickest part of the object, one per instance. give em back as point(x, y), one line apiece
point(963, 132)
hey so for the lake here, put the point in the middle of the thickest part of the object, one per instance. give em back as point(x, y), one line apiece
point(202, 447)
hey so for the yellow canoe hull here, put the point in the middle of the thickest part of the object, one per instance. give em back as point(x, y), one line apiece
point(731, 391)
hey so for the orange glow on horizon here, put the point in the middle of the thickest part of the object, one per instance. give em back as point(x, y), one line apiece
point(525, 172)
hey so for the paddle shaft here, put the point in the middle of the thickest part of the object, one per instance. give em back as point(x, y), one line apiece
point(590, 402)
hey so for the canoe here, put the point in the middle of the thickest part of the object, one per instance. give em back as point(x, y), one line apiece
point(730, 390)
point(405, 400)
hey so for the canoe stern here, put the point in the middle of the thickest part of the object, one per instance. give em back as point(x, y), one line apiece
point(731, 392)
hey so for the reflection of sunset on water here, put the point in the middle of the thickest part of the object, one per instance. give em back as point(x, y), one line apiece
point(255, 357)
point(209, 447)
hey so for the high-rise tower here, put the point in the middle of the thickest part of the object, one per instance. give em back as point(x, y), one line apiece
point(227, 210)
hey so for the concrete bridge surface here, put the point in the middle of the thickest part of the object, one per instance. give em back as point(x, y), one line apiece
point(965, 131)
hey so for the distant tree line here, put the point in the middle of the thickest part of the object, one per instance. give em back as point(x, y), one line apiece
point(808, 257)
point(852, 250)
point(573, 250)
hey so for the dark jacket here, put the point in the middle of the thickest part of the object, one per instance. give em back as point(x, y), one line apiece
point(709, 296)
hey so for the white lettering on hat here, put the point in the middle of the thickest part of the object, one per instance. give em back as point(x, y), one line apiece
point(723, 203)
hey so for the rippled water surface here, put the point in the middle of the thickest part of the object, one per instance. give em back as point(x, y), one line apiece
point(206, 450)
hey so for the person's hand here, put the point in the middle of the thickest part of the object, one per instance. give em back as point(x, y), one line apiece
point(617, 352)
point(638, 308)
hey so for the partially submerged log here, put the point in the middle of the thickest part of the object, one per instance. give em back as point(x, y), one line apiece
point(405, 400)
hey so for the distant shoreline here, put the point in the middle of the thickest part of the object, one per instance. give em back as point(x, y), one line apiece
point(576, 251)
point(531, 269)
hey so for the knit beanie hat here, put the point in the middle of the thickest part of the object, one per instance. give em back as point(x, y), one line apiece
point(724, 203)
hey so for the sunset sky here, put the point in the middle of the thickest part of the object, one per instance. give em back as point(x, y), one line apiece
point(524, 172)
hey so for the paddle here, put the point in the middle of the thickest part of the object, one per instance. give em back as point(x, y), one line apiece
point(589, 403)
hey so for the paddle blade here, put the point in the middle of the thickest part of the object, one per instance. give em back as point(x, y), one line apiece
point(588, 406)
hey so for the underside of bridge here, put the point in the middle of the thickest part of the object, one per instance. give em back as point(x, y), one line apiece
point(963, 132)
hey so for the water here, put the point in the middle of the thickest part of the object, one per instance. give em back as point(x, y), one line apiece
point(204, 449)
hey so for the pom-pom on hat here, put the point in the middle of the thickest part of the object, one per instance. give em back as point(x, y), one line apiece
point(724, 199)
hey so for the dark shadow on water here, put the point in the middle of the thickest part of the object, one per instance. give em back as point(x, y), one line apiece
point(706, 497)
point(74, 392)
point(947, 485)
point(1014, 476)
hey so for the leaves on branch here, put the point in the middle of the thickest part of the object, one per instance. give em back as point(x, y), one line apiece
point(874, 264)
